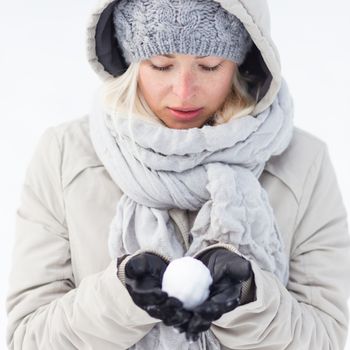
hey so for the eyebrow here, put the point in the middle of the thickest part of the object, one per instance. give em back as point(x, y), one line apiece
point(172, 56)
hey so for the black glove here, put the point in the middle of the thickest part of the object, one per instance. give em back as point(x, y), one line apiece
point(143, 280)
point(228, 271)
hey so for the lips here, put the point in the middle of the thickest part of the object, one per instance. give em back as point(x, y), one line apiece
point(185, 114)
point(185, 109)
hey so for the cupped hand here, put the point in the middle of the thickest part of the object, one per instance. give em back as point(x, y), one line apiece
point(143, 280)
point(228, 270)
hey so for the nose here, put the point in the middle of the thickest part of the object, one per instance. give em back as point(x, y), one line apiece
point(184, 84)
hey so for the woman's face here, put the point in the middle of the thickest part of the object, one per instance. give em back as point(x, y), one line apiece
point(176, 82)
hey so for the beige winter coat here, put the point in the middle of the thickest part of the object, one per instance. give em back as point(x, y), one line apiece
point(64, 293)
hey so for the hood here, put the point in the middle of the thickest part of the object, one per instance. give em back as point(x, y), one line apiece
point(262, 60)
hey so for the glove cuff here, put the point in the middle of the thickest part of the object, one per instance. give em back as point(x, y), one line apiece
point(248, 291)
point(226, 246)
point(123, 260)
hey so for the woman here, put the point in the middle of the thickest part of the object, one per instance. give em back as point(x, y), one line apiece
point(189, 150)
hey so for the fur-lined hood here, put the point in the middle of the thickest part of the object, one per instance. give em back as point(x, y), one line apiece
point(263, 60)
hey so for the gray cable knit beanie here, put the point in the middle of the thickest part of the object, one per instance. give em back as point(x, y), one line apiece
point(145, 28)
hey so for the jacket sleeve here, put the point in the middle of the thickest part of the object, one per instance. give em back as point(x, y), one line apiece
point(311, 312)
point(45, 308)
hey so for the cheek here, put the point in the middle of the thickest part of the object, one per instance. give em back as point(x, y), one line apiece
point(220, 89)
point(151, 89)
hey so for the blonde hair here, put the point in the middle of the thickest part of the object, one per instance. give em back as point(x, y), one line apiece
point(122, 93)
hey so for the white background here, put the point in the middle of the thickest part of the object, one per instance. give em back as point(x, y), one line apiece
point(45, 80)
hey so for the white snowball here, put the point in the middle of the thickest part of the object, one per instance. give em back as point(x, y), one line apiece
point(187, 279)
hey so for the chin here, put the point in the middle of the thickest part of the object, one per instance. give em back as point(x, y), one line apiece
point(173, 124)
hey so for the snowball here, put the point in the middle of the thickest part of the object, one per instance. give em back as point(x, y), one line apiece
point(188, 280)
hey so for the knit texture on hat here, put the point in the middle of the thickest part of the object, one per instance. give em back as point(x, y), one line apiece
point(195, 27)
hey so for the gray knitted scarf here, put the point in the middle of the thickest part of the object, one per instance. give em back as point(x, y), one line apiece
point(213, 169)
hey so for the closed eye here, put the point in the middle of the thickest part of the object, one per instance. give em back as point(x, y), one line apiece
point(205, 68)
point(160, 68)
point(211, 69)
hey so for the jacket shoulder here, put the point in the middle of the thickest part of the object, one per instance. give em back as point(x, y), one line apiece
point(77, 149)
point(293, 165)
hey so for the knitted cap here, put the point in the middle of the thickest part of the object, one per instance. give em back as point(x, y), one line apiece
point(195, 27)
